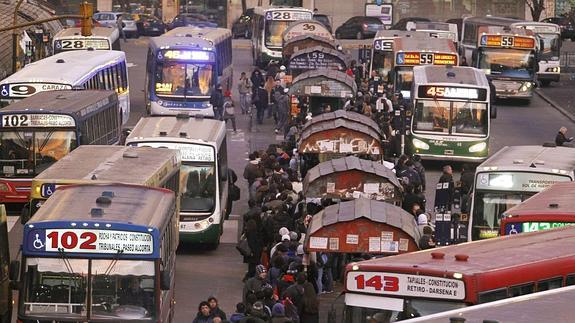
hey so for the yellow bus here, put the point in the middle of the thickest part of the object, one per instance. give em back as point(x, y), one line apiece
point(107, 164)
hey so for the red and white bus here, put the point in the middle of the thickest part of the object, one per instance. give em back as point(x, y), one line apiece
point(437, 280)
point(551, 208)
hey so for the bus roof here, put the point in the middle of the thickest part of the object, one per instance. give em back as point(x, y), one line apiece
point(137, 165)
point(553, 305)
point(392, 33)
point(215, 35)
point(495, 255)
point(530, 157)
point(433, 25)
point(499, 30)
point(538, 27)
point(491, 20)
point(79, 103)
point(133, 204)
point(75, 32)
point(198, 129)
point(556, 199)
point(72, 67)
point(417, 44)
point(436, 74)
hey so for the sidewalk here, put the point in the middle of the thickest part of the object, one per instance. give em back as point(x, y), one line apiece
point(560, 95)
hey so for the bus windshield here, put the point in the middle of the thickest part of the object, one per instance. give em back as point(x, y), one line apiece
point(403, 80)
point(58, 286)
point(178, 79)
point(28, 153)
point(413, 308)
point(551, 46)
point(488, 208)
point(507, 62)
point(198, 185)
point(382, 63)
point(456, 118)
point(273, 32)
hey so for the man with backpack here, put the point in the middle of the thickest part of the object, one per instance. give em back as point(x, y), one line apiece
point(217, 102)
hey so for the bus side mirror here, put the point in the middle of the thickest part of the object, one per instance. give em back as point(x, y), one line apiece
point(474, 55)
point(493, 112)
point(224, 174)
point(13, 272)
point(165, 280)
point(25, 214)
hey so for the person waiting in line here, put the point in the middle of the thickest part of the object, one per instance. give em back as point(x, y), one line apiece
point(561, 138)
point(230, 112)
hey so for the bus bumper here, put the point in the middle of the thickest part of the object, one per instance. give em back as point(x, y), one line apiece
point(473, 159)
point(15, 191)
point(553, 77)
point(162, 110)
point(209, 235)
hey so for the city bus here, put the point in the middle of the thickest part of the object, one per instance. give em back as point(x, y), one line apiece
point(382, 58)
point(268, 25)
point(435, 29)
point(107, 164)
point(506, 54)
point(453, 277)
point(412, 51)
point(109, 258)
point(205, 203)
point(39, 130)
point(509, 177)
point(555, 305)
point(102, 38)
point(451, 113)
point(553, 207)
point(87, 69)
point(548, 50)
point(183, 67)
point(6, 271)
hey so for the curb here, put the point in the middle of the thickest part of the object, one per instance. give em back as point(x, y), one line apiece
point(555, 105)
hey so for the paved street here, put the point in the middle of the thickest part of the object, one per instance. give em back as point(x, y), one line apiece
point(201, 273)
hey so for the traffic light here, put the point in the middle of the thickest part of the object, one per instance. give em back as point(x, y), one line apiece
point(86, 11)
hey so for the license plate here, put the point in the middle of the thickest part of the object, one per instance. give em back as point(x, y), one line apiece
point(154, 29)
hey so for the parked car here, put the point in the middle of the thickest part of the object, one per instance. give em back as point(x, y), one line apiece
point(567, 26)
point(149, 25)
point(324, 19)
point(359, 27)
point(402, 23)
point(109, 19)
point(242, 27)
point(191, 19)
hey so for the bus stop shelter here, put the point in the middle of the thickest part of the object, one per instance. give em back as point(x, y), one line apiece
point(362, 226)
point(352, 178)
point(305, 41)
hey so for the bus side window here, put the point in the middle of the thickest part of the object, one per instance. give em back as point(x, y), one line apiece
point(492, 295)
point(570, 280)
point(519, 290)
point(547, 284)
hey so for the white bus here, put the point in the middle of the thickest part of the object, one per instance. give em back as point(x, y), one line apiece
point(451, 113)
point(549, 36)
point(435, 29)
point(103, 38)
point(205, 203)
point(268, 25)
point(183, 67)
point(509, 177)
point(78, 70)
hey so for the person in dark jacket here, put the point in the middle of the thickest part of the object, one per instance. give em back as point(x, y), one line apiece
point(215, 309)
point(257, 78)
point(278, 314)
point(239, 314)
point(254, 237)
point(217, 101)
point(561, 139)
point(260, 100)
point(204, 315)
point(309, 306)
point(467, 178)
point(257, 283)
point(252, 169)
point(418, 165)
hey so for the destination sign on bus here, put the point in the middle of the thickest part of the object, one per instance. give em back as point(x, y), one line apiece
point(507, 41)
point(288, 15)
point(75, 44)
point(37, 120)
point(188, 151)
point(192, 55)
point(451, 92)
point(515, 228)
point(405, 285)
point(518, 181)
point(90, 241)
point(424, 58)
point(22, 90)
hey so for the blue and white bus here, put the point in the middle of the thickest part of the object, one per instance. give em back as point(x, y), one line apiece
point(100, 253)
point(183, 67)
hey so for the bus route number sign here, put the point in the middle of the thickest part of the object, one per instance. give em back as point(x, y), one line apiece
point(451, 92)
point(287, 15)
point(383, 45)
point(417, 58)
point(507, 41)
point(74, 44)
point(37, 120)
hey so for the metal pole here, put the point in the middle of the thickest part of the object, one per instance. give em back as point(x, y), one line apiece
point(15, 50)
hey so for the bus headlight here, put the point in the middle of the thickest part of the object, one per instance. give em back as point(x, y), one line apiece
point(526, 86)
point(420, 144)
point(478, 147)
point(553, 69)
point(4, 187)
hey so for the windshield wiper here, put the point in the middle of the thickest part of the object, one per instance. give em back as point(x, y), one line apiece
point(113, 263)
point(66, 261)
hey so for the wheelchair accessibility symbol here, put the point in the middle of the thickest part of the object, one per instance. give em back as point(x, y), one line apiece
point(5, 90)
point(38, 244)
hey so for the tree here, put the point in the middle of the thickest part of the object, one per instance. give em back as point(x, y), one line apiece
point(536, 7)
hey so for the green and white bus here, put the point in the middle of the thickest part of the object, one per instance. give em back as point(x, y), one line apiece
point(268, 25)
point(203, 175)
point(451, 113)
